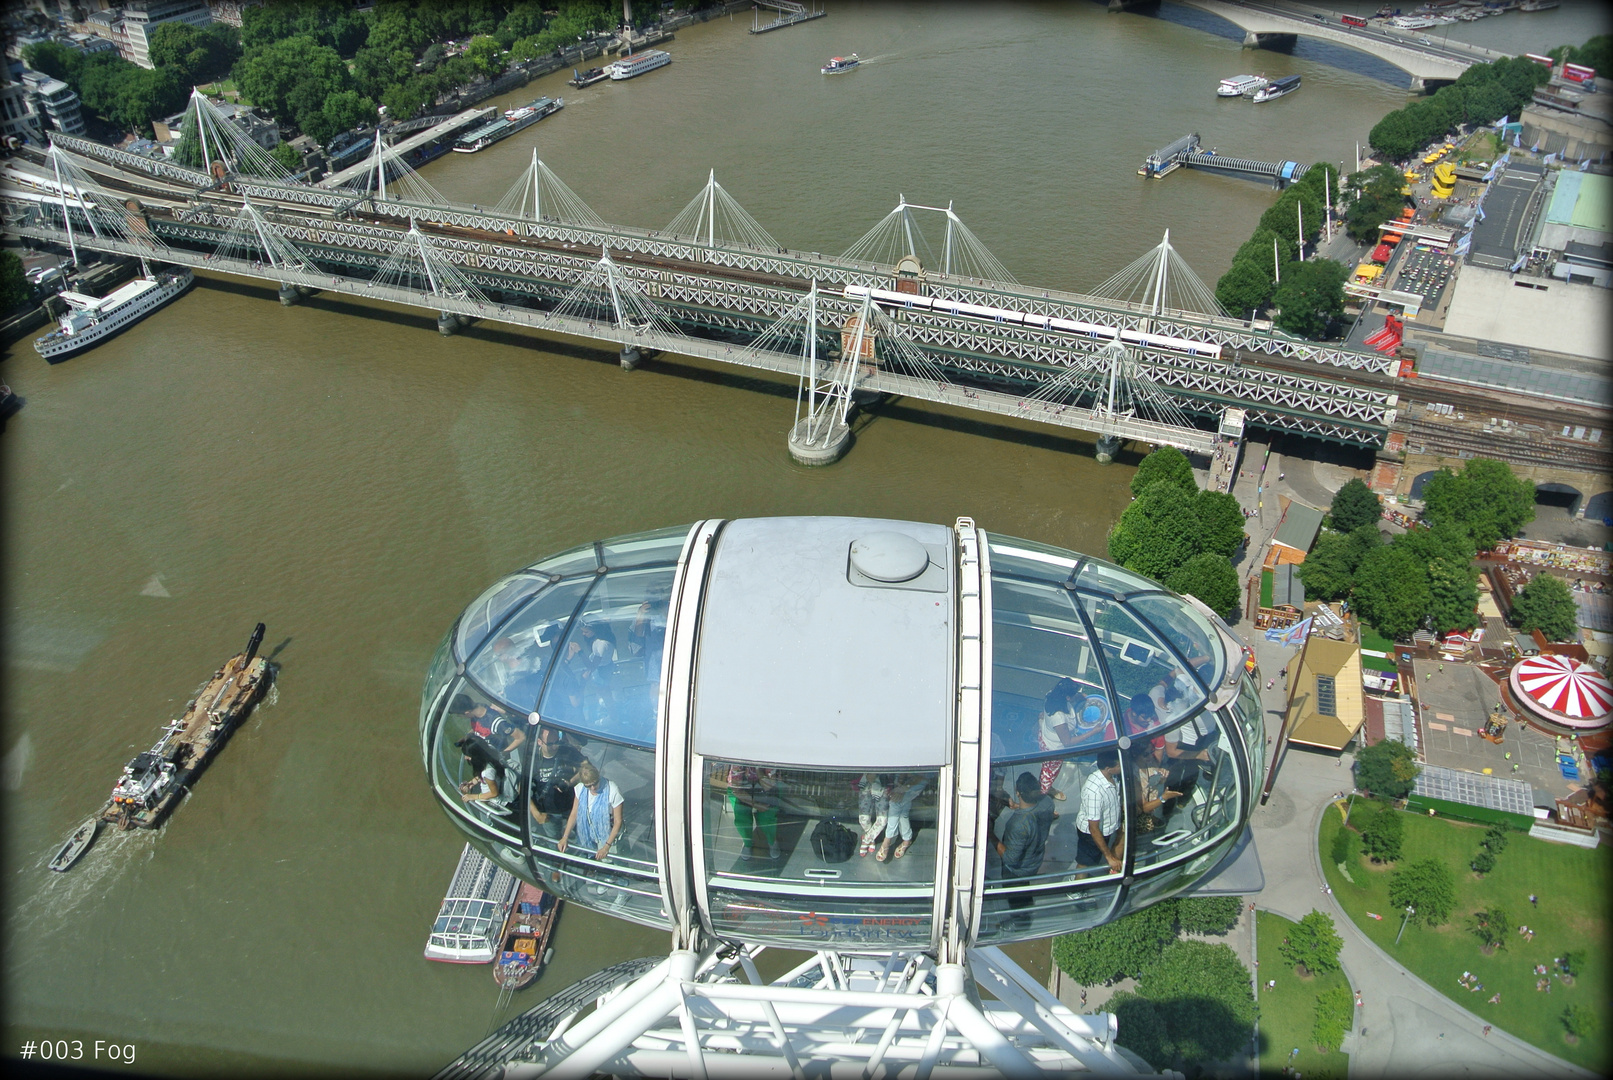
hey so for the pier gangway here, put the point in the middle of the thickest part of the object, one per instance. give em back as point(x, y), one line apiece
point(1187, 151)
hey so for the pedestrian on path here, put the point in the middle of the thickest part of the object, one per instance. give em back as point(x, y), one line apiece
point(1486, 1029)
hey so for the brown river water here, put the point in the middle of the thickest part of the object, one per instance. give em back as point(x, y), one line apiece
point(343, 473)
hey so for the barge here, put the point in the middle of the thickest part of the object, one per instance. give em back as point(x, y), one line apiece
point(524, 948)
point(580, 79)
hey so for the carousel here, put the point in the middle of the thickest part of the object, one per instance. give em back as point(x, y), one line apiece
point(1563, 693)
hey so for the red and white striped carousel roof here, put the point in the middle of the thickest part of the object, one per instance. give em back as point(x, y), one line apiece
point(1564, 686)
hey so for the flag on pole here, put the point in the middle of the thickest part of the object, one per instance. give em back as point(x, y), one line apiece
point(1501, 123)
point(1293, 635)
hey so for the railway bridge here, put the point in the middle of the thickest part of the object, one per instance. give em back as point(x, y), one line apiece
point(1148, 359)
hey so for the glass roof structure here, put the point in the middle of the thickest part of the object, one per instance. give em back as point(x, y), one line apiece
point(828, 732)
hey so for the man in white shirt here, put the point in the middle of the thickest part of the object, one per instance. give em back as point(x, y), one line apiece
point(1099, 815)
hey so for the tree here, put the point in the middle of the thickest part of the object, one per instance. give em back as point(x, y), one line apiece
point(1246, 286)
point(1388, 769)
point(1221, 522)
point(1453, 595)
point(525, 19)
point(1372, 197)
point(1116, 950)
point(1335, 1015)
point(1492, 926)
point(1426, 885)
point(13, 282)
point(1485, 499)
point(1580, 1021)
point(1166, 463)
point(1343, 846)
point(1142, 1029)
point(1496, 837)
point(1207, 914)
point(1157, 533)
point(1383, 836)
point(285, 155)
point(1572, 962)
point(195, 55)
point(342, 111)
point(1310, 296)
point(56, 60)
point(1326, 571)
point(1361, 542)
point(487, 55)
point(1313, 944)
point(1391, 591)
point(1203, 994)
point(1354, 505)
point(1483, 862)
point(1210, 578)
point(1547, 605)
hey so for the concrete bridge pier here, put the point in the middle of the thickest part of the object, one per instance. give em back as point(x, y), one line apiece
point(449, 324)
point(289, 294)
point(823, 450)
point(631, 357)
point(1277, 42)
point(1108, 447)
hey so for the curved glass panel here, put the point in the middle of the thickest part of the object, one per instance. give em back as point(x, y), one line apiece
point(1106, 577)
point(476, 760)
point(1045, 912)
point(1185, 789)
point(569, 816)
point(607, 671)
point(482, 616)
point(437, 676)
point(1026, 559)
point(805, 921)
point(1186, 628)
point(765, 826)
point(1047, 691)
point(582, 559)
point(1149, 683)
point(515, 664)
point(647, 548)
point(1252, 717)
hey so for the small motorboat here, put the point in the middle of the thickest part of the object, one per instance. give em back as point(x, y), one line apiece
point(840, 64)
point(76, 845)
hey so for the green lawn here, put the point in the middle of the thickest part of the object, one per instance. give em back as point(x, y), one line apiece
point(1371, 639)
point(1265, 588)
point(1288, 1011)
point(1573, 885)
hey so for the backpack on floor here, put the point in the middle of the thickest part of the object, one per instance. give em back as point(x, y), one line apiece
point(833, 842)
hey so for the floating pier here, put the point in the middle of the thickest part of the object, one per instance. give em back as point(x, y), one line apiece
point(788, 15)
point(1187, 151)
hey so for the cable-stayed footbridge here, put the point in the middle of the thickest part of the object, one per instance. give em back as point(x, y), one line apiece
point(1150, 358)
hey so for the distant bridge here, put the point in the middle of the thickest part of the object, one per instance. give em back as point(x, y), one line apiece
point(1439, 61)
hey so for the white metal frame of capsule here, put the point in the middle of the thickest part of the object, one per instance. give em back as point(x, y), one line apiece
point(1095, 331)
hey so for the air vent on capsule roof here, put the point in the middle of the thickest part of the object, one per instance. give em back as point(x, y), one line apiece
point(889, 557)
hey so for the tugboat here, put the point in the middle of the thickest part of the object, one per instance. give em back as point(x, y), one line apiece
point(840, 65)
point(153, 781)
point(525, 947)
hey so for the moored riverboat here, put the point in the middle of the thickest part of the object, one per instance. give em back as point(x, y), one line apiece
point(580, 79)
point(524, 948)
point(630, 67)
point(154, 780)
point(1286, 85)
point(90, 320)
point(1240, 85)
point(473, 912)
point(511, 122)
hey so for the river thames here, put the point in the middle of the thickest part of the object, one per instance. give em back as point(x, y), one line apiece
point(353, 479)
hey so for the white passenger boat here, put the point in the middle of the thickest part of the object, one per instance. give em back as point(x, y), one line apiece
point(471, 919)
point(629, 67)
point(839, 65)
point(1240, 85)
point(90, 320)
point(511, 122)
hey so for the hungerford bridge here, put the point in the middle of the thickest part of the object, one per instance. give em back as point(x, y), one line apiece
point(1150, 357)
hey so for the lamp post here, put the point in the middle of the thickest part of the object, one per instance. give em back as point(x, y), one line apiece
point(1410, 911)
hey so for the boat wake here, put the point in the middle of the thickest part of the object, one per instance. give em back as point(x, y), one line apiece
point(114, 853)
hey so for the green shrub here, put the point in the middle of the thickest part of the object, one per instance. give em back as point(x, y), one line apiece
point(1495, 838)
point(1207, 914)
point(1115, 950)
point(1142, 1029)
point(1572, 962)
point(1484, 861)
point(1492, 926)
point(1335, 1013)
point(1203, 994)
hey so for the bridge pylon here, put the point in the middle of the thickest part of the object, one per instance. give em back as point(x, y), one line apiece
point(1162, 283)
point(606, 294)
point(898, 234)
point(415, 261)
point(715, 217)
point(540, 195)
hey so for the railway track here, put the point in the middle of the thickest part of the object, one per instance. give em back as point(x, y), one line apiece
point(1422, 436)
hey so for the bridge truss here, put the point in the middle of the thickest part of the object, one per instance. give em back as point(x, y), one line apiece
point(732, 294)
